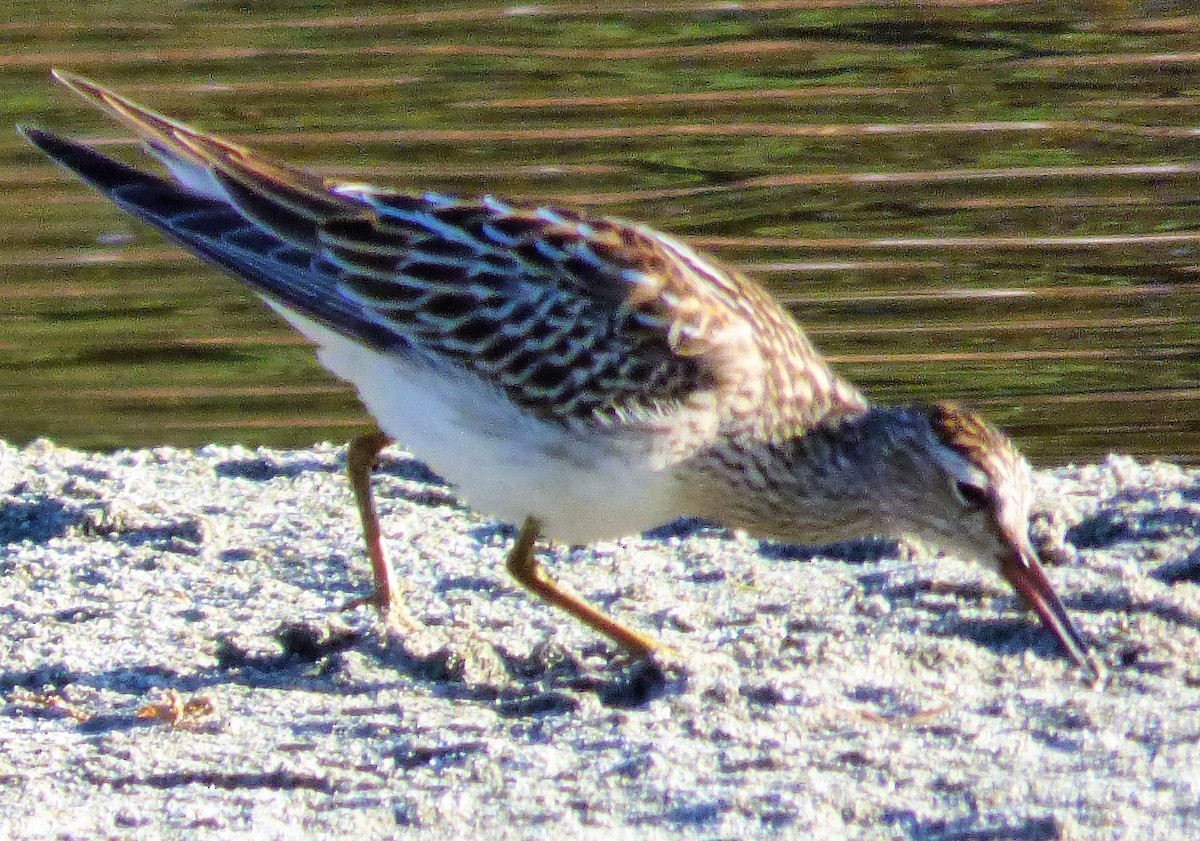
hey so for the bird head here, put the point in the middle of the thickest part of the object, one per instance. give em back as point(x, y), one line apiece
point(974, 494)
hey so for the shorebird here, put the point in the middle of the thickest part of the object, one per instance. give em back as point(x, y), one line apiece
point(582, 375)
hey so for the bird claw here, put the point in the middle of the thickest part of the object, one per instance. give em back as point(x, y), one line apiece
point(666, 657)
point(389, 606)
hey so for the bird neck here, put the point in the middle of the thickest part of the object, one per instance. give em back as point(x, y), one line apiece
point(823, 484)
point(859, 445)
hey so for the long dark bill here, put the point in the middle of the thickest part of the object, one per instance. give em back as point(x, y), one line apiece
point(1024, 572)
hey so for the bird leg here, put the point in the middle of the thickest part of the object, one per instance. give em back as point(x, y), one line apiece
point(360, 461)
point(523, 566)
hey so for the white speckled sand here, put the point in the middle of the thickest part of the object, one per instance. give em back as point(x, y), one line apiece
point(871, 692)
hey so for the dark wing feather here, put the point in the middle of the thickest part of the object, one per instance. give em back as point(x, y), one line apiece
point(521, 296)
point(293, 276)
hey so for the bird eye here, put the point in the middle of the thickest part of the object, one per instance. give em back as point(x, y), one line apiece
point(972, 496)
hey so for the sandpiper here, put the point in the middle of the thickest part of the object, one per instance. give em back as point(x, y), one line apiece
point(585, 376)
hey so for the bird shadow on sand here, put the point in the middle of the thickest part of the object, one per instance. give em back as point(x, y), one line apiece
point(1003, 635)
point(459, 666)
point(546, 679)
point(312, 657)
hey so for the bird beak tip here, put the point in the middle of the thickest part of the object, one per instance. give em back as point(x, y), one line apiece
point(1025, 574)
point(1099, 674)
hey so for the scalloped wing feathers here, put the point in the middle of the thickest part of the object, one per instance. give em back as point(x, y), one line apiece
point(574, 318)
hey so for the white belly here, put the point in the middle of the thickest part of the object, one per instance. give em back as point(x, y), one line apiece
point(506, 463)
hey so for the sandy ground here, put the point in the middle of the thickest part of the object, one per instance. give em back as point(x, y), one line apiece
point(172, 665)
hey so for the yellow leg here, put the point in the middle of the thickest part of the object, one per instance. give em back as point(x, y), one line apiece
point(360, 461)
point(524, 567)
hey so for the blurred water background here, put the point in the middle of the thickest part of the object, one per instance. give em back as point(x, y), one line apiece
point(995, 201)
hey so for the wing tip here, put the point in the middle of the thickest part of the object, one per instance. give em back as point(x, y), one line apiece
point(48, 142)
point(81, 85)
point(31, 133)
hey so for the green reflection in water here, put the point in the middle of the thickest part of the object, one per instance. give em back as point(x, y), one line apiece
point(994, 204)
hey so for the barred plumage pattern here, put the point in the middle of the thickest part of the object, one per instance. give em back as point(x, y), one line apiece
point(579, 319)
point(540, 302)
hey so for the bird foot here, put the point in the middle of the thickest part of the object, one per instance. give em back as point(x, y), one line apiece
point(390, 607)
